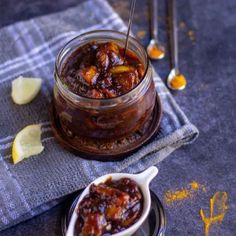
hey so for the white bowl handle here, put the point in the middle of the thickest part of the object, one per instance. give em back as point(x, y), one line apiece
point(148, 174)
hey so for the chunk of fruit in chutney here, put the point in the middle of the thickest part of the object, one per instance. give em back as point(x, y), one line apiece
point(89, 74)
point(109, 208)
point(102, 60)
point(93, 225)
point(126, 81)
point(121, 69)
point(99, 70)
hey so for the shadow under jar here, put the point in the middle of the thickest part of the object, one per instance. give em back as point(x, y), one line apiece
point(103, 118)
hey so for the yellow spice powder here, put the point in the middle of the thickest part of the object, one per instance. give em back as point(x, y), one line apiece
point(195, 185)
point(191, 35)
point(182, 194)
point(177, 196)
point(218, 208)
point(182, 25)
point(155, 53)
point(141, 34)
point(178, 81)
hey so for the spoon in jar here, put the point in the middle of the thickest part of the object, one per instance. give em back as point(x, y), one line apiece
point(155, 50)
point(175, 80)
point(131, 14)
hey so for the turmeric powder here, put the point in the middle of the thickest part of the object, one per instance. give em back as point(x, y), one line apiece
point(155, 52)
point(141, 34)
point(191, 35)
point(182, 194)
point(218, 208)
point(177, 195)
point(195, 185)
point(178, 82)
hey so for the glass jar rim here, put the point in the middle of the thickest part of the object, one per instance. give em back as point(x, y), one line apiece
point(80, 97)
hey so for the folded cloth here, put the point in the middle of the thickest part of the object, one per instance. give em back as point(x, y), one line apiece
point(29, 48)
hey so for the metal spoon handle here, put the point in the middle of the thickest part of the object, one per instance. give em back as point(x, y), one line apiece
point(174, 35)
point(154, 19)
point(131, 14)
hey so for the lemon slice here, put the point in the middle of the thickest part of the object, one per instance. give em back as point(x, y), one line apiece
point(24, 90)
point(27, 143)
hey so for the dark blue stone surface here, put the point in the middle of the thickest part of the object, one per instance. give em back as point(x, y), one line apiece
point(209, 63)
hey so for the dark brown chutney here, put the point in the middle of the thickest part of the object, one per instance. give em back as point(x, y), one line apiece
point(109, 208)
point(100, 70)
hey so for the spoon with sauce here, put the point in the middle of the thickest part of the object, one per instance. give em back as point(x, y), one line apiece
point(175, 80)
point(155, 50)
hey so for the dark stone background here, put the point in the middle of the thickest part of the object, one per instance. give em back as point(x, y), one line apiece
point(209, 63)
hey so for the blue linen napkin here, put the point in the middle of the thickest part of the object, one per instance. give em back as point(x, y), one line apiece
point(35, 185)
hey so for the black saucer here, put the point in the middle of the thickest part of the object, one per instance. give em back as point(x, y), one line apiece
point(154, 225)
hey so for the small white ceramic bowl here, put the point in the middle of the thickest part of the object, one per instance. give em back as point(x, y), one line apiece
point(142, 179)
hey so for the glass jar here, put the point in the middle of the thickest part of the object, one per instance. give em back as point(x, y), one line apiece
point(108, 118)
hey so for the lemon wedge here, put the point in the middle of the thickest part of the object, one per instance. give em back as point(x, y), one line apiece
point(27, 143)
point(24, 90)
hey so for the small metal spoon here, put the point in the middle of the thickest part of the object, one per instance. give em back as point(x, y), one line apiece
point(175, 80)
point(155, 50)
point(131, 15)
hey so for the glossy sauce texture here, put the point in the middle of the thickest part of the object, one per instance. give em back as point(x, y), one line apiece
point(99, 70)
point(109, 208)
